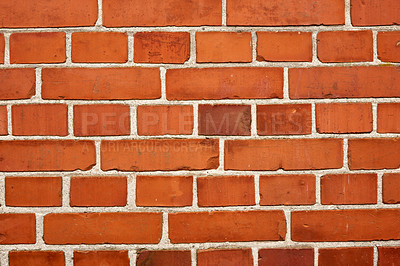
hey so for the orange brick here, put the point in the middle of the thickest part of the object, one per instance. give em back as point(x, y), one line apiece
point(162, 47)
point(37, 48)
point(287, 256)
point(375, 12)
point(33, 191)
point(287, 190)
point(220, 47)
point(284, 46)
point(99, 47)
point(101, 257)
point(360, 256)
point(389, 46)
point(242, 257)
point(164, 191)
point(17, 83)
point(2, 47)
point(3, 120)
point(163, 257)
point(388, 256)
point(344, 117)
point(388, 118)
point(36, 258)
point(391, 188)
point(345, 46)
point(40, 119)
point(225, 191)
point(17, 228)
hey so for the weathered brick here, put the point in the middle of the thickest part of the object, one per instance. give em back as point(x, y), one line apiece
point(17, 83)
point(389, 46)
point(17, 228)
point(101, 257)
point(391, 188)
point(388, 118)
point(164, 257)
point(299, 257)
point(375, 12)
point(3, 120)
point(207, 257)
point(360, 256)
point(36, 258)
point(388, 256)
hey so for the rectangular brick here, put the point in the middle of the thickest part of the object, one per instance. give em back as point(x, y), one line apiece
point(388, 256)
point(391, 188)
point(359, 256)
point(242, 257)
point(388, 118)
point(36, 258)
point(375, 12)
point(3, 120)
point(17, 228)
point(286, 256)
point(163, 257)
point(17, 83)
point(101, 257)
point(389, 46)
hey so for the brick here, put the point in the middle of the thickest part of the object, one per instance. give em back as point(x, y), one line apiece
point(284, 119)
point(391, 188)
point(221, 47)
point(345, 225)
point(344, 82)
point(225, 191)
point(299, 257)
point(375, 12)
point(3, 120)
point(46, 155)
point(224, 83)
point(102, 120)
point(101, 83)
point(37, 48)
point(2, 48)
point(285, 12)
point(162, 47)
point(374, 153)
point(33, 191)
point(388, 256)
point(349, 189)
point(284, 46)
point(36, 258)
point(389, 46)
point(345, 46)
point(116, 228)
point(360, 256)
point(98, 191)
point(126, 13)
point(99, 47)
point(214, 257)
point(344, 117)
point(287, 154)
point(388, 118)
point(47, 14)
point(225, 120)
point(164, 191)
point(287, 190)
point(101, 257)
point(164, 120)
point(164, 257)
point(17, 83)
point(17, 228)
point(160, 154)
point(225, 226)
point(40, 119)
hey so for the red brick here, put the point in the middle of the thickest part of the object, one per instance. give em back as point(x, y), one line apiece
point(164, 257)
point(220, 47)
point(2, 48)
point(345, 46)
point(389, 46)
point(284, 119)
point(102, 120)
point(391, 188)
point(37, 48)
point(344, 117)
point(221, 257)
point(101, 83)
point(46, 155)
point(225, 120)
point(36, 258)
point(40, 119)
point(360, 256)
point(164, 191)
point(388, 256)
point(162, 47)
point(388, 118)
point(349, 189)
point(101, 257)
point(284, 46)
point(345, 225)
point(17, 83)
point(225, 191)
point(47, 14)
point(17, 228)
point(287, 190)
point(285, 12)
point(159, 154)
point(374, 154)
point(344, 82)
point(225, 226)
point(155, 13)
point(115, 228)
point(99, 47)
point(299, 257)
point(375, 12)
point(98, 191)
point(287, 154)
point(33, 191)
point(224, 83)
point(3, 120)
point(164, 120)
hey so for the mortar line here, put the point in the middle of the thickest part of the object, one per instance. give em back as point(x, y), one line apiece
point(68, 51)
point(376, 256)
point(254, 43)
point(347, 8)
point(9, 120)
point(257, 189)
point(7, 49)
point(224, 13)
point(99, 21)
point(254, 251)
point(374, 117)
point(253, 122)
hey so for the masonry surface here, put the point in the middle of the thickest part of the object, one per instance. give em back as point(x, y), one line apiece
point(200, 132)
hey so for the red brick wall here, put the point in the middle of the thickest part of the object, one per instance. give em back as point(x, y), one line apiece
point(199, 132)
